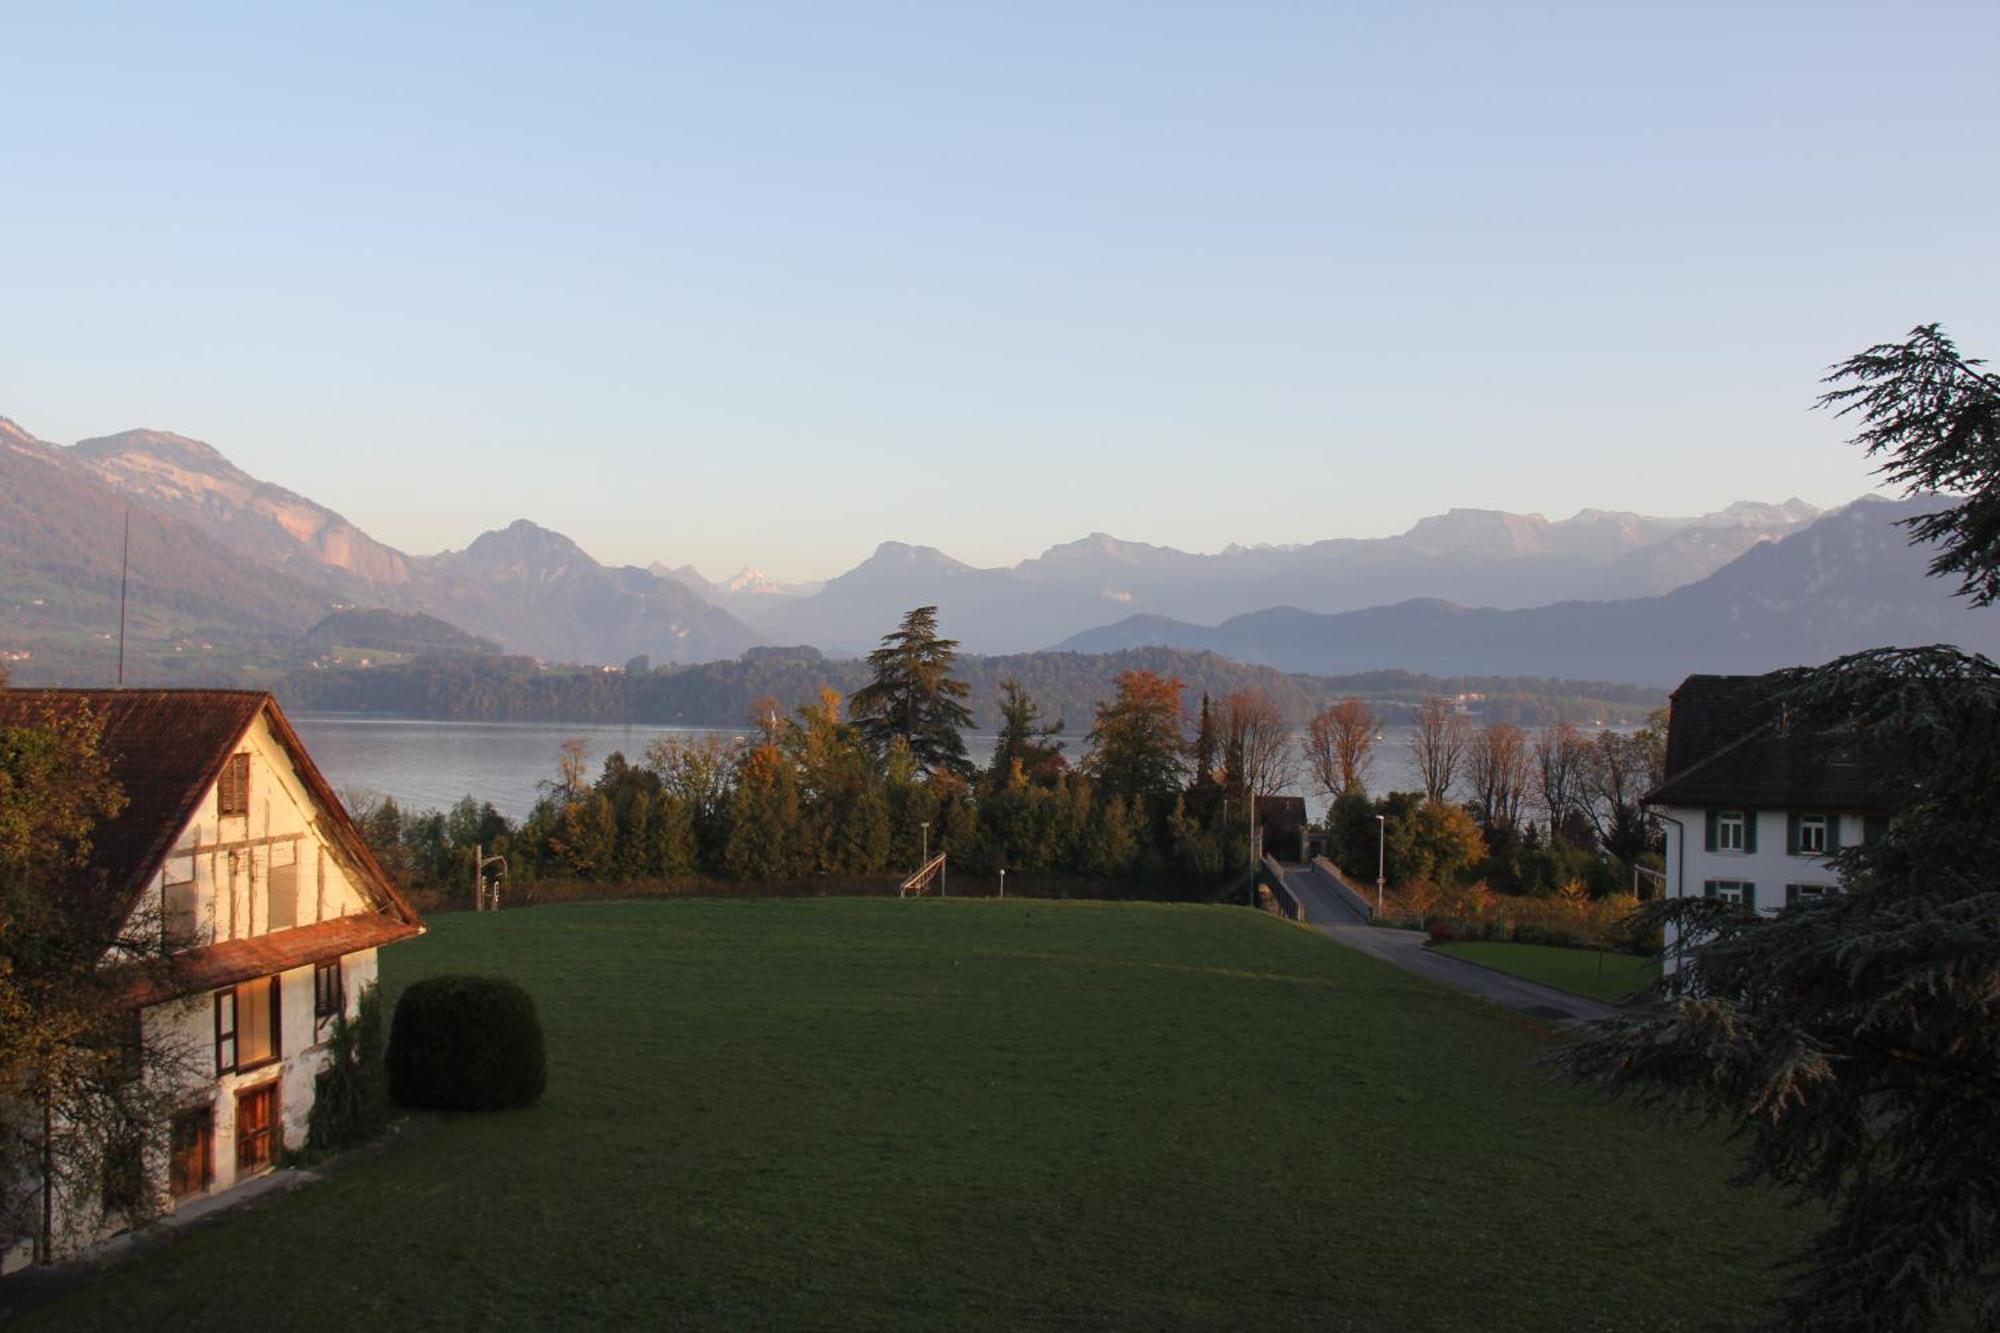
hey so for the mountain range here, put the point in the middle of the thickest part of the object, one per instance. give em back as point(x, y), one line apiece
point(1474, 556)
point(1846, 582)
point(221, 559)
point(212, 543)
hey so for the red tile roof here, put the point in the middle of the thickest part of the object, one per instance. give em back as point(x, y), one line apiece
point(166, 748)
point(225, 964)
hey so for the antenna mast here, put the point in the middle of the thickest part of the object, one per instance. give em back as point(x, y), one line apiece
point(124, 573)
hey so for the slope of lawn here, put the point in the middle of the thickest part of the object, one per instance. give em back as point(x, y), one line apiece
point(1601, 975)
point(870, 1113)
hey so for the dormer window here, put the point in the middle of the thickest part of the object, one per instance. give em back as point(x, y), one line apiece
point(232, 791)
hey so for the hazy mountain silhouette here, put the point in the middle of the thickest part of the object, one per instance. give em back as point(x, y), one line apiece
point(530, 589)
point(1476, 556)
point(1848, 581)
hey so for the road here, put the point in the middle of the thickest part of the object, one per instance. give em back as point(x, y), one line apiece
point(1330, 912)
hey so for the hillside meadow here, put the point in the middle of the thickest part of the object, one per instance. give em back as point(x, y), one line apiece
point(839, 1113)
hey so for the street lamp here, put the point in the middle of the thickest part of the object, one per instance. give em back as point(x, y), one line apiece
point(926, 858)
point(1381, 845)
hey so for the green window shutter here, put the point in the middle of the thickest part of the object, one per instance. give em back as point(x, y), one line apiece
point(1749, 830)
point(1791, 833)
point(1832, 832)
point(1711, 832)
point(1708, 886)
point(1750, 897)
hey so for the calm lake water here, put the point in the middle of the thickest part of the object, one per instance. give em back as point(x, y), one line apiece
point(429, 765)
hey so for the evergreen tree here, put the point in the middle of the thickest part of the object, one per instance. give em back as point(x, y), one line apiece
point(915, 698)
point(1024, 738)
point(1855, 1042)
point(1206, 745)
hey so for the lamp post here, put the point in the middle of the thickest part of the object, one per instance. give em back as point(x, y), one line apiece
point(1252, 792)
point(925, 859)
point(1381, 847)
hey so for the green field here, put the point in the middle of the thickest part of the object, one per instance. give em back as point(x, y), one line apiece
point(1600, 974)
point(869, 1113)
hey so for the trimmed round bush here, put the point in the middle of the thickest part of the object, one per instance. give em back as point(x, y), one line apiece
point(466, 1043)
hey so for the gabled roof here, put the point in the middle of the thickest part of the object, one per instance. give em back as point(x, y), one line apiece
point(1731, 741)
point(166, 749)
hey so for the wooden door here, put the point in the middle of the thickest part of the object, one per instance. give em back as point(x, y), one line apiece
point(256, 1128)
point(192, 1161)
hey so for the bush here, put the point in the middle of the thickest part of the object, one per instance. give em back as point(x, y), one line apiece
point(466, 1043)
point(350, 1105)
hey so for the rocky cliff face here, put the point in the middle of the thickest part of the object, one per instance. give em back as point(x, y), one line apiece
point(270, 524)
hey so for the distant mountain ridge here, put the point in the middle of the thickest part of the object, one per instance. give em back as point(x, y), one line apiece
point(243, 558)
point(1478, 556)
point(62, 536)
point(533, 590)
point(1848, 581)
point(195, 483)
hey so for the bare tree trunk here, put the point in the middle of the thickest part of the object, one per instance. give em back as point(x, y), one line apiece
point(1340, 746)
point(1438, 746)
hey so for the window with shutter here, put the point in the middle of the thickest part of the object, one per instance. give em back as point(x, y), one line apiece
point(232, 790)
point(1811, 838)
point(1731, 891)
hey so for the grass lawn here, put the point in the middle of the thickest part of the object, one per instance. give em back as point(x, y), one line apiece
point(869, 1113)
point(1607, 976)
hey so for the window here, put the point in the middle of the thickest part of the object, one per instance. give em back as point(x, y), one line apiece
point(1730, 831)
point(329, 991)
point(1816, 834)
point(191, 1145)
point(246, 1026)
point(1812, 835)
point(232, 790)
point(178, 920)
point(1798, 895)
point(282, 887)
point(256, 1128)
point(1731, 891)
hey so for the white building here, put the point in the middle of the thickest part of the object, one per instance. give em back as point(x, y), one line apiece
point(1754, 807)
point(233, 846)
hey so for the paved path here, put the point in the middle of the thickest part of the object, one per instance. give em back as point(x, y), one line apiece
point(1330, 912)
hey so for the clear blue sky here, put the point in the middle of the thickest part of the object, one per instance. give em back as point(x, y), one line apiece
point(770, 283)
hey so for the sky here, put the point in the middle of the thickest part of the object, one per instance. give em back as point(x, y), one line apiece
point(768, 284)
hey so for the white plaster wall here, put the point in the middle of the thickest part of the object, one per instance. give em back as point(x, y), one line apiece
point(187, 1026)
point(235, 905)
point(1690, 865)
point(1770, 867)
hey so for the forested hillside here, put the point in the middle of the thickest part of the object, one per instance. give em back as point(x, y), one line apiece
point(1067, 685)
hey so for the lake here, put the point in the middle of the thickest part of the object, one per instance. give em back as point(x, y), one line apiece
point(428, 765)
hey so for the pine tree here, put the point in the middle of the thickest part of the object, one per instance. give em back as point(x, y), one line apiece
point(1855, 1042)
point(1206, 745)
point(915, 698)
point(1025, 739)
